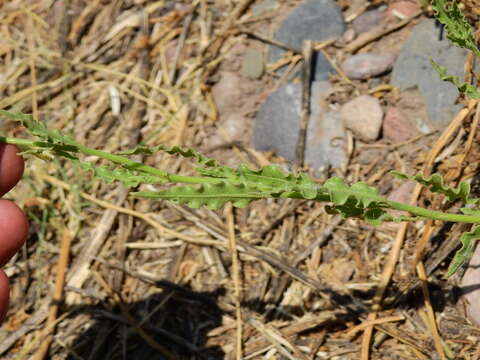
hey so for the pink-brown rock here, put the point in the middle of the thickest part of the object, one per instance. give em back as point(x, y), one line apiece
point(363, 116)
point(396, 127)
point(368, 20)
point(470, 287)
point(227, 92)
point(366, 65)
point(403, 192)
point(403, 8)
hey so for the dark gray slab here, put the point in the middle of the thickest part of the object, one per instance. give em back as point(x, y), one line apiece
point(278, 121)
point(316, 20)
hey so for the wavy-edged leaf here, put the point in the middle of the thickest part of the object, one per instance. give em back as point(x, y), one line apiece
point(360, 193)
point(268, 179)
point(127, 177)
point(221, 172)
point(272, 178)
point(435, 183)
point(172, 150)
point(465, 88)
point(213, 195)
point(39, 129)
point(468, 240)
point(358, 200)
point(459, 31)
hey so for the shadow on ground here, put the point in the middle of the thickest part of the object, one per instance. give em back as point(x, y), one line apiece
point(177, 319)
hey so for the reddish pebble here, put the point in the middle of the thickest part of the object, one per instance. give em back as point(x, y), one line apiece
point(368, 20)
point(396, 127)
point(367, 65)
point(403, 9)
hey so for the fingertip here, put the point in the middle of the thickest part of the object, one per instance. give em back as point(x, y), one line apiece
point(11, 167)
point(4, 295)
point(13, 230)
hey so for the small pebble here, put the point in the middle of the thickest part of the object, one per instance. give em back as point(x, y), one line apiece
point(402, 9)
point(403, 192)
point(252, 64)
point(368, 20)
point(348, 35)
point(396, 127)
point(227, 91)
point(367, 65)
point(264, 6)
point(235, 126)
point(363, 116)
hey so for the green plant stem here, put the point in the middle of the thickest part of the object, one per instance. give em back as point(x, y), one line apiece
point(174, 178)
point(433, 214)
point(121, 160)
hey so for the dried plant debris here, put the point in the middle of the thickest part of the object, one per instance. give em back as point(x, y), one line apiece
point(107, 276)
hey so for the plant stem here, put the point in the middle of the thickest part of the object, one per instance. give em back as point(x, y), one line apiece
point(174, 178)
point(118, 159)
point(433, 214)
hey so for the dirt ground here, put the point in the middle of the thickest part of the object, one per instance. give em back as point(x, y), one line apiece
point(104, 276)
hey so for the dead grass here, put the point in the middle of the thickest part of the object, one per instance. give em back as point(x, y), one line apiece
point(106, 277)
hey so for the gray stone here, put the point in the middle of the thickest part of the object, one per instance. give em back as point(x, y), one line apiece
point(278, 121)
point(316, 20)
point(366, 65)
point(326, 140)
point(363, 115)
point(413, 69)
point(252, 64)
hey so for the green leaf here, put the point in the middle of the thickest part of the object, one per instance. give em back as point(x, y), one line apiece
point(470, 211)
point(465, 88)
point(172, 150)
point(360, 192)
point(359, 200)
point(62, 145)
point(127, 177)
point(212, 195)
point(272, 179)
point(459, 31)
point(38, 128)
point(468, 240)
point(435, 184)
point(268, 179)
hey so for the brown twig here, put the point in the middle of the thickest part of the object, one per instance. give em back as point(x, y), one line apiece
point(375, 34)
point(306, 98)
point(236, 279)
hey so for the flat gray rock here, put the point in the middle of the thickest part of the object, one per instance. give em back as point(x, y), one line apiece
point(316, 20)
point(278, 121)
point(326, 140)
point(413, 69)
